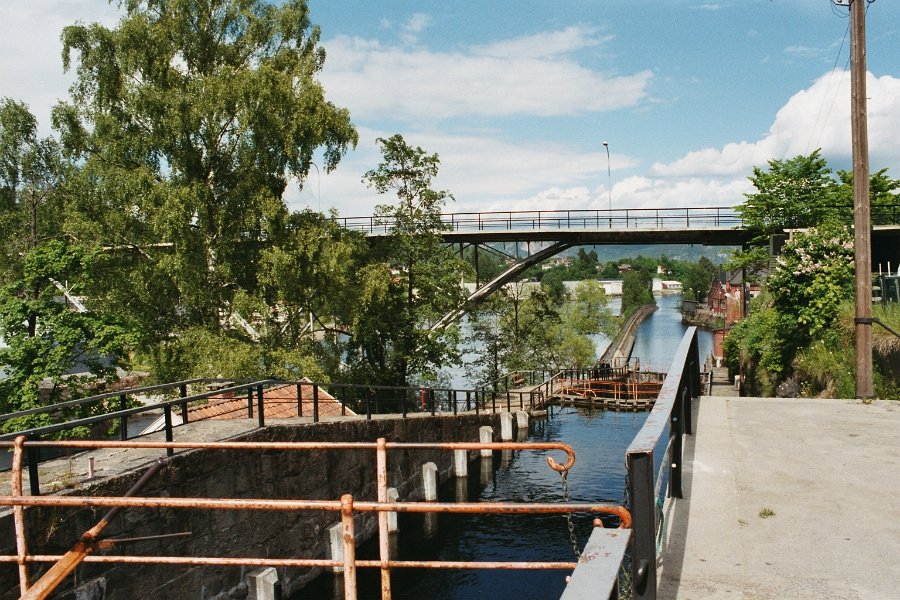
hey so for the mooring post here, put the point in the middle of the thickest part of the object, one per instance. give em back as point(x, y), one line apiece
point(486, 436)
point(506, 426)
point(261, 584)
point(521, 419)
point(460, 463)
point(429, 481)
point(392, 496)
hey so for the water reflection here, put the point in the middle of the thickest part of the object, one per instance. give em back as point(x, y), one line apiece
point(599, 440)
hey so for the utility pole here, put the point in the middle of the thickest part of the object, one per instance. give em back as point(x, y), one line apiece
point(861, 208)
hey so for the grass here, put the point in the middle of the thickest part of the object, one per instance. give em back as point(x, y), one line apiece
point(766, 513)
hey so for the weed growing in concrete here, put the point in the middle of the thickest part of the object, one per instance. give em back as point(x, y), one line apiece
point(766, 513)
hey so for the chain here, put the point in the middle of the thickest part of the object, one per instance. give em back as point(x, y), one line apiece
point(569, 523)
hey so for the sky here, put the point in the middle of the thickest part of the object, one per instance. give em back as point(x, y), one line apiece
point(518, 98)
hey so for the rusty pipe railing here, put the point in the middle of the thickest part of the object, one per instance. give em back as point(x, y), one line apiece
point(347, 506)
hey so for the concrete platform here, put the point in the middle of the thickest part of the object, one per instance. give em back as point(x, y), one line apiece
point(787, 498)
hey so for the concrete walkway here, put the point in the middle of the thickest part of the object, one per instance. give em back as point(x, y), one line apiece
point(721, 385)
point(787, 498)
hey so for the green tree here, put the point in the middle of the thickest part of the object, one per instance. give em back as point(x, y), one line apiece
point(696, 277)
point(793, 193)
point(413, 279)
point(636, 291)
point(884, 193)
point(47, 336)
point(31, 201)
point(812, 280)
point(188, 118)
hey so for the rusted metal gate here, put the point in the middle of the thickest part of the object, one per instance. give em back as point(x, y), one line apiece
point(92, 540)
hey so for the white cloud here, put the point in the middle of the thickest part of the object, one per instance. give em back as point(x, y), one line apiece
point(385, 81)
point(804, 51)
point(482, 172)
point(417, 23)
point(817, 117)
point(487, 173)
point(545, 44)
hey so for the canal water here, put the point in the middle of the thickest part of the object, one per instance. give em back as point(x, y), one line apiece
point(599, 438)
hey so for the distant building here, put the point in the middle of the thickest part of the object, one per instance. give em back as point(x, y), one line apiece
point(664, 286)
point(726, 296)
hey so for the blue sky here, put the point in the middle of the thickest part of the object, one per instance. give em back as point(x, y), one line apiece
point(517, 97)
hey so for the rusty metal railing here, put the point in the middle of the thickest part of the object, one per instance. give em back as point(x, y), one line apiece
point(347, 506)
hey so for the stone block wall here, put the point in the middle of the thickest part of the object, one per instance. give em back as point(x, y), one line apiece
point(309, 475)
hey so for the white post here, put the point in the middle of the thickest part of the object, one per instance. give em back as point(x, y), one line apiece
point(261, 584)
point(521, 419)
point(429, 481)
point(506, 426)
point(486, 436)
point(336, 541)
point(460, 463)
point(392, 496)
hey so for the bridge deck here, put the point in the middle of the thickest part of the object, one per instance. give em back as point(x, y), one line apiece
point(827, 469)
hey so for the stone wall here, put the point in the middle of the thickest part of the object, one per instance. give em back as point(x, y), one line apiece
point(325, 475)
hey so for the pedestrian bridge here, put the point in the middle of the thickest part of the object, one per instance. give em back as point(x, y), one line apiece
point(713, 225)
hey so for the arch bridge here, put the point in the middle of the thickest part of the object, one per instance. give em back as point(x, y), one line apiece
point(556, 230)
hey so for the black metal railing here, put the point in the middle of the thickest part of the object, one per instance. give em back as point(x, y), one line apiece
point(110, 419)
point(650, 470)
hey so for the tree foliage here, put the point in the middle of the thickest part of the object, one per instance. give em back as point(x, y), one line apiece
point(636, 291)
point(522, 327)
point(46, 338)
point(813, 278)
point(798, 192)
point(412, 279)
point(189, 118)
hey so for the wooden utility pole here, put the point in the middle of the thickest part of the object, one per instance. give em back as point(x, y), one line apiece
point(861, 208)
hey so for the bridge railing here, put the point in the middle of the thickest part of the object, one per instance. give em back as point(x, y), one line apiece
point(627, 218)
point(654, 461)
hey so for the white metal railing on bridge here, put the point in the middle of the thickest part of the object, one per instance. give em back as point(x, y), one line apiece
point(713, 217)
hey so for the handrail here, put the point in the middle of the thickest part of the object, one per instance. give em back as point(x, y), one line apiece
point(347, 506)
point(711, 216)
point(714, 216)
point(49, 408)
point(672, 412)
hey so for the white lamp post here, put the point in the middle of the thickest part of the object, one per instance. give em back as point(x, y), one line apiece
point(608, 176)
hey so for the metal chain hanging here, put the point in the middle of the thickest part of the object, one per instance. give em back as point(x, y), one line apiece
point(569, 523)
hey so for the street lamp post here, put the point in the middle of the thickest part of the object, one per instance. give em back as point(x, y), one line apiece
point(608, 179)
